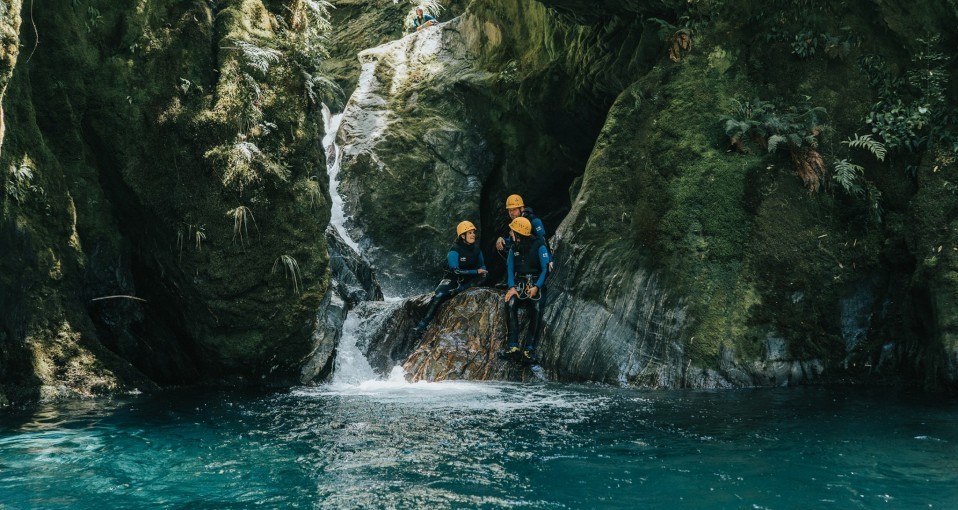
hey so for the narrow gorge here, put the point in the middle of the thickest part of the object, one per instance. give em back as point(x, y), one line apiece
point(227, 192)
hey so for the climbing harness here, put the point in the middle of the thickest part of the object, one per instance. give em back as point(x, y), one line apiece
point(525, 282)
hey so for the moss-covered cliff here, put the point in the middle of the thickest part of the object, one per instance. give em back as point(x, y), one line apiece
point(719, 219)
point(731, 227)
point(168, 151)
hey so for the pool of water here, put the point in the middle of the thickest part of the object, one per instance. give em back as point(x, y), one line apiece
point(388, 444)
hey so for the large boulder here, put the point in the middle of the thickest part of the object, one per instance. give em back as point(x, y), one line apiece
point(464, 342)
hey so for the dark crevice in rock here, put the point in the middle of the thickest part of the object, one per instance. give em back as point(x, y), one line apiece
point(156, 340)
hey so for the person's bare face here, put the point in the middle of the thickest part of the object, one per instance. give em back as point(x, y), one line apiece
point(470, 237)
point(514, 212)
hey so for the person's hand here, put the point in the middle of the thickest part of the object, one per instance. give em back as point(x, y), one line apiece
point(511, 293)
point(500, 244)
point(482, 271)
point(532, 291)
point(552, 266)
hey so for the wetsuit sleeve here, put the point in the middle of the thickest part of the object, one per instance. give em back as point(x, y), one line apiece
point(511, 270)
point(426, 17)
point(539, 229)
point(452, 258)
point(543, 265)
point(482, 261)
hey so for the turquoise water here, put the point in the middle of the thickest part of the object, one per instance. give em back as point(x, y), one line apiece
point(467, 445)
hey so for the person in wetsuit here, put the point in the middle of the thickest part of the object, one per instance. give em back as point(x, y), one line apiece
point(527, 268)
point(422, 20)
point(516, 208)
point(466, 268)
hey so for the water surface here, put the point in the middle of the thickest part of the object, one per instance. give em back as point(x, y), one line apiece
point(388, 444)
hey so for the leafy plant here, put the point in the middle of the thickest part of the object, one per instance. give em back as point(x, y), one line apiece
point(806, 44)
point(912, 110)
point(257, 57)
point(290, 270)
point(797, 131)
point(849, 176)
point(245, 163)
point(866, 142)
point(19, 184)
point(241, 217)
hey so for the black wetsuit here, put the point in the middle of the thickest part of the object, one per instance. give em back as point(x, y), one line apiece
point(463, 262)
point(528, 265)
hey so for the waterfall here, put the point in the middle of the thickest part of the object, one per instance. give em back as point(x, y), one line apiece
point(333, 164)
point(363, 123)
point(362, 322)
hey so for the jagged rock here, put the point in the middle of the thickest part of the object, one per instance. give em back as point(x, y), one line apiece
point(464, 340)
point(329, 328)
point(354, 279)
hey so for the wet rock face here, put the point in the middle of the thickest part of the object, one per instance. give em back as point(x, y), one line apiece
point(462, 343)
point(413, 163)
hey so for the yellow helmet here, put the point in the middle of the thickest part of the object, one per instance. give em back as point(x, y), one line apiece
point(521, 226)
point(514, 201)
point(464, 226)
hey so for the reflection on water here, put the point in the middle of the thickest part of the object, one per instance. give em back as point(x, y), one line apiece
point(390, 444)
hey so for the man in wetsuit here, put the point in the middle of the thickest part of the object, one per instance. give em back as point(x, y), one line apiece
point(527, 268)
point(516, 208)
point(466, 268)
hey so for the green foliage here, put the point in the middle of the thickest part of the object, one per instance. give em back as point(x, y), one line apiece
point(849, 176)
point(19, 184)
point(796, 129)
point(256, 57)
point(760, 121)
point(806, 44)
point(245, 164)
point(913, 108)
point(866, 142)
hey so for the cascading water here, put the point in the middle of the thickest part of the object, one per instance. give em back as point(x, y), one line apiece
point(351, 366)
point(333, 164)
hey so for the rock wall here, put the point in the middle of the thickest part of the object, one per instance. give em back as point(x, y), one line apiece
point(700, 259)
point(168, 151)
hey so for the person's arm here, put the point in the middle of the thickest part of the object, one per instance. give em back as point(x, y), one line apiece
point(539, 229)
point(452, 258)
point(510, 270)
point(482, 261)
point(543, 265)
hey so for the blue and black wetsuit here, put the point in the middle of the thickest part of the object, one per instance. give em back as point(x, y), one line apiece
point(418, 22)
point(538, 228)
point(463, 262)
point(527, 266)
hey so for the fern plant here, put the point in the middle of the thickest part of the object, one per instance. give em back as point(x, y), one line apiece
point(866, 142)
point(797, 131)
point(849, 176)
point(257, 57)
